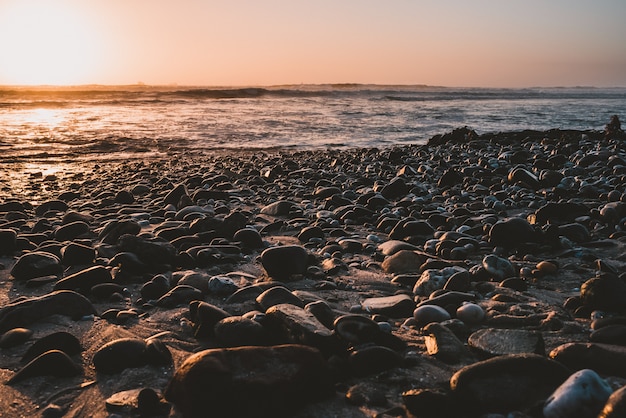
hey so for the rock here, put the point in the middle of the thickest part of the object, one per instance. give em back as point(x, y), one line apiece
point(604, 293)
point(396, 188)
point(443, 344)
point(123, 353)
point(403, 261)
point(274, 381)
point(322, 311)
point(560, 211)
point(429, 403)
point(174, 195)
point(25, 312)
point(512, 232)
point(277, 295)
point(281, 263)
point(71, 231)
point(85, 279)
point(295, 325)
point(470, 313)
point(112, 232)
point(498, 342)
point(574, 232)
point(434, 279)
point(372, 359)
point(249, 238)
point(279, 208)
point(222, 286)
point(62, 341)
point(36, 264)
point(8, 241)
point(602, 358)
point(310, 232)
point(426, 314)
point(411, 228)
point(499, 268)
point(582, 395)
point(393, 246)
point(51, 363)
point(397, 306)
point(14, 337)
point(615, 406)
point(51, 205)
point(145, 402)
point(179, 295)
point(609, 334)
point(505, 383)
point(204, 317)
point(525, 177)
point(237, 331)
point(158, 286)
point(75, 254)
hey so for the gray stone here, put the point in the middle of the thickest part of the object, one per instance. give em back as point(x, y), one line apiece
point(497, 342)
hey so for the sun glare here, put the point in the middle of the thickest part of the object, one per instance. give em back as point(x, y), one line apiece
point(46, 43)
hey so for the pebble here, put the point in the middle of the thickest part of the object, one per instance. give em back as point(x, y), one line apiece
point(274, 381)
point(61, 340)
point(36, 264)
point(283, 262)
point(14, 337)
point(583, 395)
point(51, 363)
point(123, 353)
point(397, 306)
point(470, 313)
point(426, 314)
point(497, 342)
point(603, 358)
point(403, 261)
point(615, 406)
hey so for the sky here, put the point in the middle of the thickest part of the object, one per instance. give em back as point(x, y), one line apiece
point(456, 43)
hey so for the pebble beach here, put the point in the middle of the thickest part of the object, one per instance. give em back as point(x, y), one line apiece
point(472, 276)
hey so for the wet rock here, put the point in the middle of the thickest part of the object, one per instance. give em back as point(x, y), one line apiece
point(281, 263)
point(582, 395)
point(274, 381)
point(496, 342)
point(51, 363)
point(25, 312)
point(505, 383)
point(397, 306)
point(602, 358)
point(36, 264)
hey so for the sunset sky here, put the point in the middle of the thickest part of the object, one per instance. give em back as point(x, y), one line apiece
point(489, 43)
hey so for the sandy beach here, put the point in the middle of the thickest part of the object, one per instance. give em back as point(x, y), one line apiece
point(394, 277)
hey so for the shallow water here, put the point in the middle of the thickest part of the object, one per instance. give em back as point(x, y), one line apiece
point(83, 121)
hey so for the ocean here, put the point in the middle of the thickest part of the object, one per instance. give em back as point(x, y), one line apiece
point(86, 121)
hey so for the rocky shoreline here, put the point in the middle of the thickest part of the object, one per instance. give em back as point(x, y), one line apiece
point(477, 275)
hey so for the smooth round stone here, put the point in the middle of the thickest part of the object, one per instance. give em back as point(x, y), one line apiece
point(71, 231)
point(51, 363)
point(499, 268)
point(237, 331)
point(278, 295)
point(179, 295)
point(609, 334)
point(310, 232)
point(575, 232)
point(547, 267)
point(123, 353)
point(470, 313)
point(322, 311)
point(582, 395)
point(393, 246)
point(603, 358)
point(615, 406)
point(511, 233)
point(62, 341)
point(429, 403)
point(525, 177)
point(278, 208)
point(396, 306)
point(155, 288)
point(373, 359)
point(459, 281)
point(204, 317)
point(36, 264)
point(496, 342)
point(249, 238)
point(8, 241)
point(76, 254)
point(14, 337)
point(282, 262)
point(426, 314)
point(604, 293)
point(356, 329)
point(85, 279)
point(403, 261)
